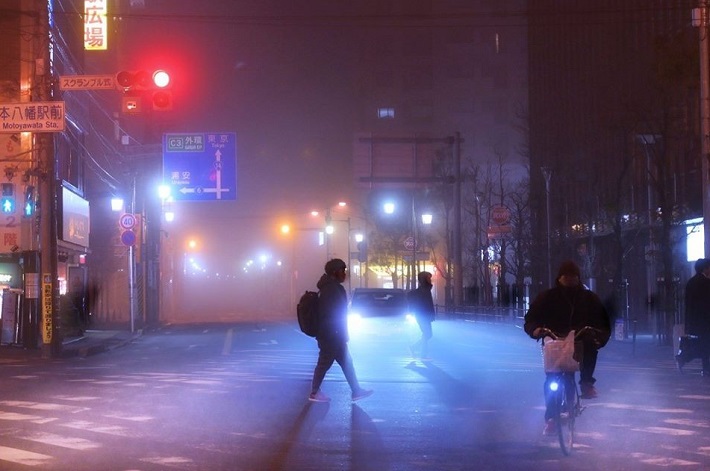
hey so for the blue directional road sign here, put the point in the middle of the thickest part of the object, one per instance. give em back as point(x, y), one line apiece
point(200, 166)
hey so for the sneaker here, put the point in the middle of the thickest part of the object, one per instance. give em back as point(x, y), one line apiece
point(362, 394)
point(318, 397)
point(588, 391)
point(550, 428)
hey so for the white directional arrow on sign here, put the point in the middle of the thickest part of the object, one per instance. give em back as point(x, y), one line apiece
point(199, 189)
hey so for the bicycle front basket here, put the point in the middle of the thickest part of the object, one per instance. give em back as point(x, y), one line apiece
point(558, 356)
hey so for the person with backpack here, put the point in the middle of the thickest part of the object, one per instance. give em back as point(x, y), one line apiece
point(421, 304)
point(332, 333)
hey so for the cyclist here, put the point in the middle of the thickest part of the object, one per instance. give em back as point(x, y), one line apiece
point(567, 306)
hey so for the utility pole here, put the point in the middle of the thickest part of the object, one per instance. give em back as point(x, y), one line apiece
point(700, 19)
point(49, 321)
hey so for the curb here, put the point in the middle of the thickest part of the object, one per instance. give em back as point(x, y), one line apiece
point(104, 346)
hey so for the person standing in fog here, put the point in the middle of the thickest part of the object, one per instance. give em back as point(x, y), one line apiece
point(421, 304)
point(333, 334)
point(697, 312)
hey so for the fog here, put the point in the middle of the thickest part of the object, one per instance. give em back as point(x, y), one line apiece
point(289, 79)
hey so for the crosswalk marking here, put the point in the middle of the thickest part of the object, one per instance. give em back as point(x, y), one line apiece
point(92, 427)
point(168, 460)
point(74, 443)
point(17, 416)
point(46, 406)
point(23, 457)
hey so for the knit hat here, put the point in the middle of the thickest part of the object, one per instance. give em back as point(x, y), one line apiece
point(701, 265)
point(334, 265)
point(424, 277)
point(568, 268)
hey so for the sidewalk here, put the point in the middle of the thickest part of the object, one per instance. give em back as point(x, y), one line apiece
point(92, 342)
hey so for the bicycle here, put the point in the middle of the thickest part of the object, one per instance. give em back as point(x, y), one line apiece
point(560, 367)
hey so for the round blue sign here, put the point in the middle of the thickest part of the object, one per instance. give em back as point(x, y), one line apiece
point(128, 238)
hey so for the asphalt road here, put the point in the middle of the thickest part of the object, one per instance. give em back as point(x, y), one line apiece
point(233, 397)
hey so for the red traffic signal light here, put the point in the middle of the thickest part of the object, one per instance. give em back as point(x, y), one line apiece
point(155, 84)
point(162, 100)
point(134, 80)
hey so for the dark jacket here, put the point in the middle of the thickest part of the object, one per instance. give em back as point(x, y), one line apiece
point(697, 305)
point(421, 303)
point(563, 309)
point(332, 311)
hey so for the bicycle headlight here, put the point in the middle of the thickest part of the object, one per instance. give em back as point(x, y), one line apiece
point(554, 385)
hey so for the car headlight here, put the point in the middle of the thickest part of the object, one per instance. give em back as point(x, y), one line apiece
point(410, 318)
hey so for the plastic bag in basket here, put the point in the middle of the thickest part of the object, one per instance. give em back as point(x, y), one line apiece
point(558, 355)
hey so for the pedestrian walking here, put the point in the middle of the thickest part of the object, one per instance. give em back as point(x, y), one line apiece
point(697, 313)
point(421, 304)
point(333, 332)
point(568, 306)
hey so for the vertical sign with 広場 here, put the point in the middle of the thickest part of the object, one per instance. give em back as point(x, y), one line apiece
point(46, 308)
point(95, 27)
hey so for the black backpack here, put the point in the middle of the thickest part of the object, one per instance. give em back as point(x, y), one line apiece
point(307, 312)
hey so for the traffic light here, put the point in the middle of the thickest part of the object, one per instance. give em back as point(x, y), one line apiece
point(7, 200)
point(140, 85)
point(162, 100)
point(29, 208)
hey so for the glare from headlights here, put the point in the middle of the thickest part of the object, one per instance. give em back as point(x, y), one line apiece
point(410, 318)
point(354, 321)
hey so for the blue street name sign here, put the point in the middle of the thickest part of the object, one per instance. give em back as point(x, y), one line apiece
point(200, 166)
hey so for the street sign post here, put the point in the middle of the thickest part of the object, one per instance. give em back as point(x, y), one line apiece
point(200, 166)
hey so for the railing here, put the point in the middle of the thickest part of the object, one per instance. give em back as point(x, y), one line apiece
point(483, 313)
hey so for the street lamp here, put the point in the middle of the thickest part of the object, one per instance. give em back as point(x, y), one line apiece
point(547, 174)
point(412, 241)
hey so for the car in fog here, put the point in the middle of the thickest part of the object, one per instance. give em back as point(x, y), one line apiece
point(379, 310)
point(378, 302)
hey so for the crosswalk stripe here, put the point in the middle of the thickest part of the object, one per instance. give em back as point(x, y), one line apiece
point(46, 406)
point(74, 443)
point(23, 457)
point(92, 427)
point(16, 416)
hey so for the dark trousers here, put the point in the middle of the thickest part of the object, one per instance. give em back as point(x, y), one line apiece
point(585, 351)
point(330, 352)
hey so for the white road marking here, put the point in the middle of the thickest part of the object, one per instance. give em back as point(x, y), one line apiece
point(168, 460)
point(227, 347)
point(73, 443)
point(16, 416)
point(46, 406)
point(91, 427)
point(26, 458)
